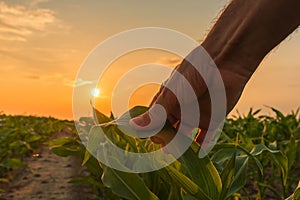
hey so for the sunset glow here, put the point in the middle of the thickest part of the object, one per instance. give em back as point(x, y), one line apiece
point(44, 43)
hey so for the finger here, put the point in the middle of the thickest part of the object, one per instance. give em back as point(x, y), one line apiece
point(163, 137)
point(158, 93)
point(153, 119)
point(156, 117)
point(201, 136)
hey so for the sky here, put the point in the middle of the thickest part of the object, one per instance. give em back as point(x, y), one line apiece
point(43, 43)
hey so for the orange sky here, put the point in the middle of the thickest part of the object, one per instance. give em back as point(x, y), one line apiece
point(44, 42)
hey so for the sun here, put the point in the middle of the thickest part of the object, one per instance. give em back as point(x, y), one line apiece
point(95, 92)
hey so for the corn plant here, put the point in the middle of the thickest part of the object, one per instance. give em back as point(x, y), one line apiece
point(279, 162)
point(250, 149)
point(20, 136)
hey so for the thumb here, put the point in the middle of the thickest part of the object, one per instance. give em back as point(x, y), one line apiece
point(156, 116)
point(153, 119)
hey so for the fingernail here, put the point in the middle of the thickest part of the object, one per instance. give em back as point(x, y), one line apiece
point(140, 122)
point(137, 121)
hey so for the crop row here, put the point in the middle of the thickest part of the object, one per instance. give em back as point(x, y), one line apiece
point(20, 136)
point(257, 156)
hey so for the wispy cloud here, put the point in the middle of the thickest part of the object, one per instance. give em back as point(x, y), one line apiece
point(170, 61)
point(54, 78)
point(18, 22)
point(80, 82)
point(9, 37)
point(35, 3)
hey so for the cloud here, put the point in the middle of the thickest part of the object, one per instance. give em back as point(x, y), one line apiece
point(18, 22)
point(8, 37)
point(79, 82)
point(50, 79)
point(35, 3)
point(62, 79)
point(173, 61)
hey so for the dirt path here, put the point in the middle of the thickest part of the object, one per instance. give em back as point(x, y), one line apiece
point(47, 176)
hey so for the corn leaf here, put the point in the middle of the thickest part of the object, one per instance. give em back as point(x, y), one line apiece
point(227, 176)
point(126, 185)
point(291, 150)
point(240, 176)
point(295, 195)
point(279, 158)
point(100, 117)
point(202, 172)
point(187, 184)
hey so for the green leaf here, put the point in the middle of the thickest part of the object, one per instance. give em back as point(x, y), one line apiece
point(231, 146)
point(222, 155)
point(278, 113)
point(187, 184)
point(126, 185)
point(240, 177)
point(256, 112)
point(4, 180)
point(100, 117)
point(227, 176)
point(17, 145)
point(279, 158)
point(291, 150)
point(94, 167)
point(15, 163)
point(201, 171)
point(65, 147)
point(260, 148)
point(128, 139)
point(87, 180)
point(136, 111)
point(186, 196)
point(61, 141)
point(272, 189)
point(93, 182)
point(175, 192)
point(86, 157)
point(34, 138)
point(65, 151)
point(95, 139)
point(296, 194)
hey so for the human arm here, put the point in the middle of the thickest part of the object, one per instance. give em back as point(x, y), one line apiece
point(243, 35)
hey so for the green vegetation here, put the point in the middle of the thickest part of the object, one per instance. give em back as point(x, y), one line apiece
point(255, 156)
point(20, 136)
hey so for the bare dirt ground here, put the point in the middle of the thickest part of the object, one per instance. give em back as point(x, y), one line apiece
point(47, 176)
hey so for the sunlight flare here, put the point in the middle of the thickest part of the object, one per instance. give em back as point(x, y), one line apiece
point(95, 92)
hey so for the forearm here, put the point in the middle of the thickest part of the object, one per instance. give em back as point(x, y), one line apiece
point(248, 30)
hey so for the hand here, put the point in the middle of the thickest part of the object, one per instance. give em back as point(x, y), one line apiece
point(234, 83)
point(243, 35)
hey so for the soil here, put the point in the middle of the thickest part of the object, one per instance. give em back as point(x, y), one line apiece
point(47, 176)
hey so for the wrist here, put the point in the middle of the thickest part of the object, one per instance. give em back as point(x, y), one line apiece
point(232, 58)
